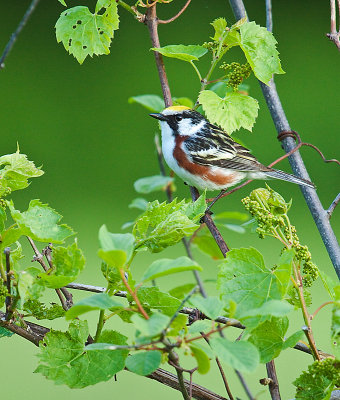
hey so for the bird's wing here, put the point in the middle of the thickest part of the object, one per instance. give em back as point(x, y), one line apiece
point(213, 147)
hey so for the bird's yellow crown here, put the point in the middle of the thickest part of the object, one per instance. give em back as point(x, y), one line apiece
point(177, 108)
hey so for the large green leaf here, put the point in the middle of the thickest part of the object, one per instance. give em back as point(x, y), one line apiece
point(212, 307)
point(15, 170)
point(151, 102)
point(243, 273)
point(207, 245)
point(63, 359)
point(259, 47)
point(153, 183)
point(100, 301)
point(236, 110)
point(40, 311)
point(67, 262)
point(116, 249)
point(166, 266)
point(182, 52)
point(83, 33)
point(150, 327)
point(144, 363)
point(153, 298)
point(240, 355)
point(202, 358)
point(41, 223)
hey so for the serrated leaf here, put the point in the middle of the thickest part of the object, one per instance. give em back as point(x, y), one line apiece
point(163, 225)
point(15, 170)
point(83, 33)
point(244, 273)
point(196, 209)
point(100, 301)
point(234, 111)
point(182, 52)
point(116, 249)
point(41, 223)
point(259, 47)
point(203, 362)
point(139, 203)
point(151, 327)
point(151, 102)
point(63, 359)
point(144, 363)
point(152, 184)
point(28, 284)
point(153, 298)
point(5, 332)
point(335, 325)
point(207, 245)
point(166, 266)
point(10, 236)
point(40, 311)
point(67, 262)
point(211, 306)
point(269, 338)
point(240, 355)
point(219, 25)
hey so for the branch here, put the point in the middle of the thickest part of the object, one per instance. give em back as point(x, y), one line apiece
point(281, 123)
point(244, 385)
point(274, 384)
point(331, 208)
point(269, 16)
point(16, 33)
point(334, 35)
point(161, 21)
point(8, 300)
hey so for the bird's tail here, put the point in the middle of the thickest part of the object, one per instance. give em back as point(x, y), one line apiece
point(277, 174)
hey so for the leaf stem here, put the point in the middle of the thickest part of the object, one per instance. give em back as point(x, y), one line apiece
point(126, 7)
point(161, 21)
point(99, 326)
point(196, 70)
point(319, 308)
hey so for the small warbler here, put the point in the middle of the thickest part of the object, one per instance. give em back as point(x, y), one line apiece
point(205, 156)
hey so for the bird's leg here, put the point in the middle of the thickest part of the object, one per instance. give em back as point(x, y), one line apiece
point(215, 199)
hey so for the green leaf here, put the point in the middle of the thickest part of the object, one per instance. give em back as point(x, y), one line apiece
point(335, 326)
point(144, 363)
point(293, 339)
point(212, 307)
point(116, 249)
point(269, 338)
point(219, 25)
point(5, 332)
point(152, 184)
point(3, 218)
point(62, 2)
point(201, 357)
point(240, 355)
point(259, 47)
point(177, 325)
point(196, 209)
point(234, 111)
point(182, 52)
point(63, 359)
point(151, 327)
point(180, 291)
point(151, 102)
point(234, 228)
point(243, 273)
point(15, 170)
point(29, 285)
point(67, 263)
point(10, 236)
point(153, 298)
point(112, 275)
point(183, 101)
point(238, 216)
point(100, 301)
point(40, 311)
point(276, 308)
point(139, 203)
point(200, 326)
point(83, 33)
point(41, 223)
point(166, 266)
point(163, 225)
point(207, 245)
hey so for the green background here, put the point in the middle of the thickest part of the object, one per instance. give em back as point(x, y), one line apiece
point(76, 122)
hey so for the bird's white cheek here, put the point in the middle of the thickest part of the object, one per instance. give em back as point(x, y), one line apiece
point(168, 145)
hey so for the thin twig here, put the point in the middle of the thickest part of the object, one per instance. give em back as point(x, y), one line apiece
point(281, 123)
point(274, 384)
point(334, 35)
point(269, 16)
point(182, 384)
point(320, 308)
point(8, 300)
point(133, 294)
point(16, 33)
point(161, 21)
point(331, 208)
point(244, 385)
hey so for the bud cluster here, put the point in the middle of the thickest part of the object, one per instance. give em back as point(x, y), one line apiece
point(236, 73)
point(3, 293)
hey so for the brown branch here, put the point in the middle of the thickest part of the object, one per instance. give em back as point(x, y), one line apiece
point(334, 35)
point(244, 385)
point(133, 294)
point(274, 384)
point(8, 300)
point(16, 33)
point(331, 208)
point(161, 21)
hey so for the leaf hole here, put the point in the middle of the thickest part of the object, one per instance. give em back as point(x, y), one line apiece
point(70, 42)
point(79, 22)
point(74, 26)
point(101, 32)
point(84, 47)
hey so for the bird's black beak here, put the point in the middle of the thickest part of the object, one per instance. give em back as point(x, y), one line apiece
point(159, 116)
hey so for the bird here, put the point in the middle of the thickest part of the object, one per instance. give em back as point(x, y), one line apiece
point(205, 156)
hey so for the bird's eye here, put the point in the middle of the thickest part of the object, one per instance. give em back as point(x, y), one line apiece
point(178, 118)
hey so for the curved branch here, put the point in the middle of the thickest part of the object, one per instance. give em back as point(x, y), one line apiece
point(281, 123)
point(161, 21)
